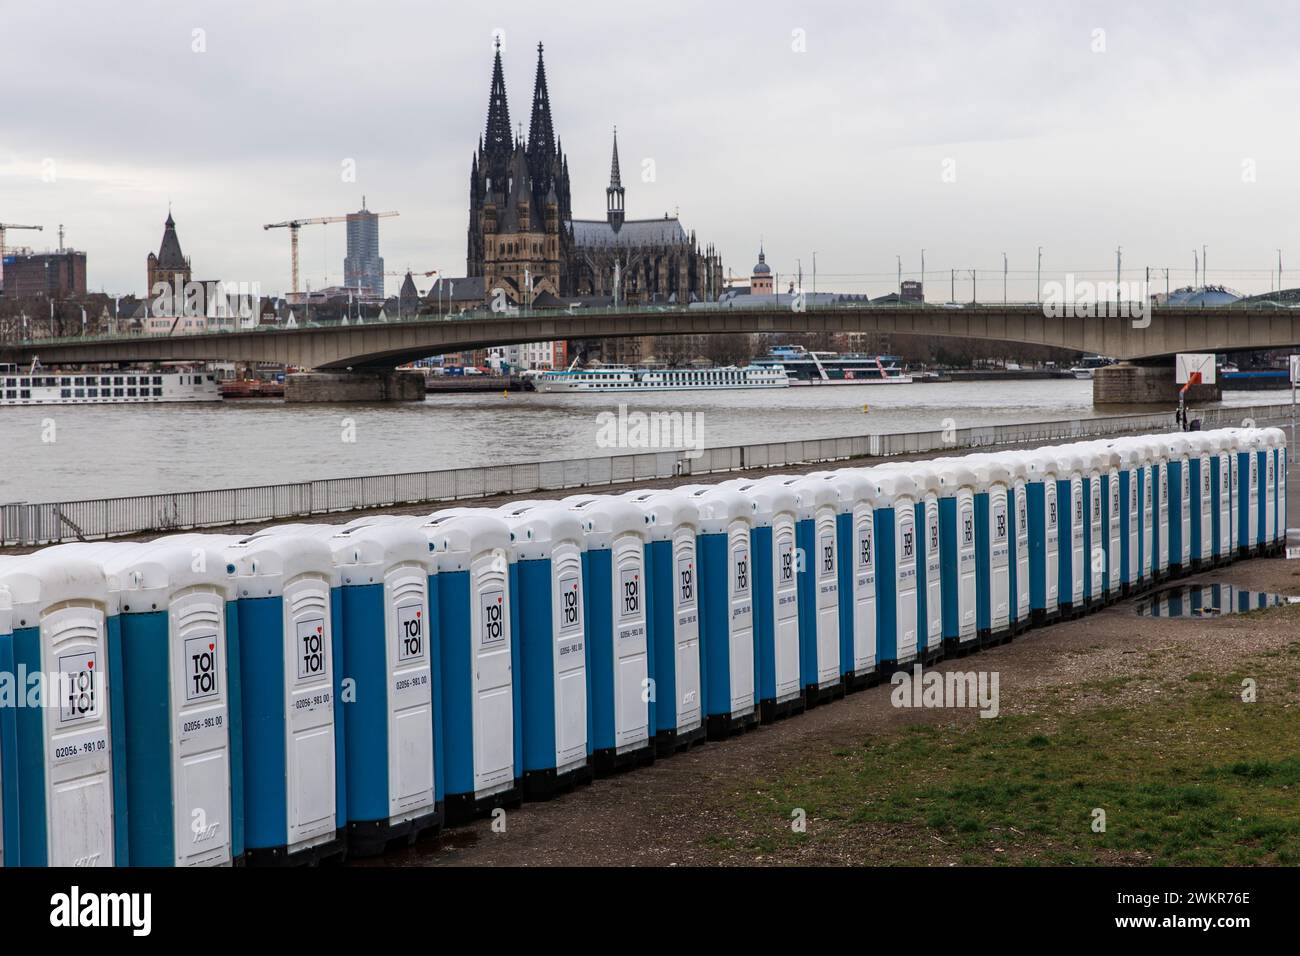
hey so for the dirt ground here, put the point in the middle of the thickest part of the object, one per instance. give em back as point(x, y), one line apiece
point(698, 807)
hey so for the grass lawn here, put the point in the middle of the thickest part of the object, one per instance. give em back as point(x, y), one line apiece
point(1186, 772)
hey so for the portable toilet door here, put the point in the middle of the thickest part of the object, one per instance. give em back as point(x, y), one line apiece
point(1200, 498)
point(546, 545)
point(855, 533)
point(819, 594)
point(929, 561)
point(1130, 516)
point(182, 702)
point(1018, 537)
point(1073, 566)
point(389, 648)
point(618, 639)
point(1178, 467)
point(766, 573)
point(8, 742)
point(1221, 498)
point(1270, 440)
point(1147, 515)
point(674, 615)
point(898, 620)
point(1276, 439)
point(1044, 538)
point(477, 626)
point(1113, 503)
point(1249, 501)
point(732, 562)
point(1160, 508)
point(64, 787)
point(290, 666)
point(958, 547)
point(1096, 542)
point(994, 551)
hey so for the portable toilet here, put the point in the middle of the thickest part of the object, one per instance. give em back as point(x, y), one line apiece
point(1073, 566)
point(958, 548)
point(928, 487)
point(291, 678)
point(546, 546)
point(816, 532)
point(1041, 493)
point(1202, 494)
point(1223, 510)
point(1277, 438)
point(1273, 443)
point(64, 769)
point(1177, 453)
point(674, 615)
point(618, 640)
point(995, 551)
point(1018, 536)
point(898, 616)
point(1129, 508)
point(1157, 448)
point(739, 664)
point(390, 651)
point(477, 623)
point(1096, 542)
point(1111, 535)
point(1145, 469)
point(748, 538)
point(855, 534)
point(8, 743)
point(182, 700)
point(1250, 499)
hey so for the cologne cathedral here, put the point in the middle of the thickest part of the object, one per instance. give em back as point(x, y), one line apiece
point(524, 240)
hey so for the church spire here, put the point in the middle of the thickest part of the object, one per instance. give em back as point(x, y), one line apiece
point(614, 194)
point(498, 141)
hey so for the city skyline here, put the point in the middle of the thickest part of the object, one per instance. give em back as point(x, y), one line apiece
point(861, 138)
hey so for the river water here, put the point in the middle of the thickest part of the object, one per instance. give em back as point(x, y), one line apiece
point(55, 453)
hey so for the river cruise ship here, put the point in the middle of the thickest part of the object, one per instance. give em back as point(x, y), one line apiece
point(43, 386)
point(622, 378)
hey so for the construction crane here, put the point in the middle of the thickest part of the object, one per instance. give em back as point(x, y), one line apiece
point(293, 225)
point(3, 227)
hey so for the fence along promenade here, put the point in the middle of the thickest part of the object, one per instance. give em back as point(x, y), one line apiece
point(25, 524)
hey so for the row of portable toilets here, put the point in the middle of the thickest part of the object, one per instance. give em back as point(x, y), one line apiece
point(315, 689)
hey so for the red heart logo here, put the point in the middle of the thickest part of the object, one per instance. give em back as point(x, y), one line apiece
point(212, 647)
point(318, 630)
point(90, 664)
point(498, 600)
point(417, 613)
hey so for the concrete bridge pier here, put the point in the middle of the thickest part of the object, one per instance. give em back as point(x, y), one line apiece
point(367, 385)
point(1131, 384)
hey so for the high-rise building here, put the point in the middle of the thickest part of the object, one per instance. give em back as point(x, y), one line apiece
point(364, 268)
point(55, 275)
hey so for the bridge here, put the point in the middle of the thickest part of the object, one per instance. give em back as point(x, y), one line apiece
point(376, 348)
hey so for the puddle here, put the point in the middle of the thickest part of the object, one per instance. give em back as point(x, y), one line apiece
point(1208, 600)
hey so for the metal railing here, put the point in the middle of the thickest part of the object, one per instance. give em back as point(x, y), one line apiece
point(53, 522)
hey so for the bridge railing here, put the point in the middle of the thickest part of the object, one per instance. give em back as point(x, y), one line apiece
point(23, 524)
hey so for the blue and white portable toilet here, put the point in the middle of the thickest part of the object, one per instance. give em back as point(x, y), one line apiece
point(1041, 494)
point(477, 620)
point(1096, 544)
point(995, 552)
point(1178, 468)
point(732, 563)
point(291, 678)
point(818, 575)
point(1073, 566)
point(1129, 508)
point(619, 651)
point(674, 616)
point(1018, 509)
point(1201, 446)
point(958, 548)
point(1222, 497)
point(748, 539)
point(899, 622)
point(64, 775)
point(182, 700)
point(1148, 533)
point(930, 566)
point(389, 653)
point(1273, 442)
point(854, 491)
point(1157, 450)
point(1246, 481)
point(1111, 538)
point(546, 546)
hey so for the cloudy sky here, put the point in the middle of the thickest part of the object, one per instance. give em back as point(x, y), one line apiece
point(858, 131)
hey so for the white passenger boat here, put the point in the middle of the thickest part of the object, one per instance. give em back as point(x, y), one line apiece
point(622, 378)
point(43, 386)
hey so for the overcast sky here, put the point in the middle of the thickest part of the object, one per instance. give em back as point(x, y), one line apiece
point(860, 131)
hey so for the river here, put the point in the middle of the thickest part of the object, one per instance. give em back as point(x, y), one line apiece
point(55, 453)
